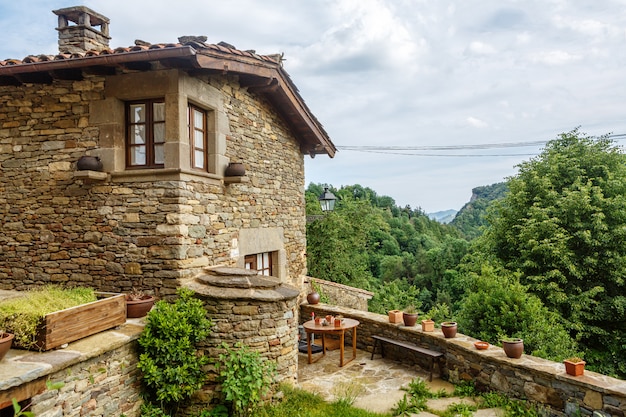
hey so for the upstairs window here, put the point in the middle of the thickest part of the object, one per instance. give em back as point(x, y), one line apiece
point(262, 262)
point(145, 134)
point(198, 127)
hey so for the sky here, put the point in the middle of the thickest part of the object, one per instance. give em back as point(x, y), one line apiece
point(425, 100)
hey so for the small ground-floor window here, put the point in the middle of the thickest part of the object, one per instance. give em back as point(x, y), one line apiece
point(262, 262)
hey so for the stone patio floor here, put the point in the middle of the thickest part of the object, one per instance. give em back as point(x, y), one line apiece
point(376, 383)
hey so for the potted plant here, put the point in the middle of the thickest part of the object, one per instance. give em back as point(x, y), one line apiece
point(47, 317)
point(449, 329)
point(513, 347)
point(6, 339)
point(409, 316)
point(138, 303)
point(395, 316)
point(428, 325)
point(574, 366)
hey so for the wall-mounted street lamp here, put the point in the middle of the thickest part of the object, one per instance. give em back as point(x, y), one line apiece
point(327, 200)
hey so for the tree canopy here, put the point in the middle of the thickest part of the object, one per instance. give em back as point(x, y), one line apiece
point(562, 227)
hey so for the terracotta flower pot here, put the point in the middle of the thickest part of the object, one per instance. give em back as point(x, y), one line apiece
point(313, 297)
point(574, 368)
point(395, 316)
point(428, 325)
point(513, 348)
point(481, 345)
point(139, 308)
point(409, 319)
point(6, 340)
point(449, 329)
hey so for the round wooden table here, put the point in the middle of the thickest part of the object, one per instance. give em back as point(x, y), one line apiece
point(347, 324)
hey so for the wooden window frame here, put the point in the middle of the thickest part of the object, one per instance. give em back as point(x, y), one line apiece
point(192, 129)
point(252, 262)
point(149, 124)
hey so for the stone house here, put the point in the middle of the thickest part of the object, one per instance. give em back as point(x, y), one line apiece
point(165, 120)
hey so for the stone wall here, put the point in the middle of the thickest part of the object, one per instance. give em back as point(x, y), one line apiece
point(339, 294)
point(131, 230)
point(535, 379)
point(253, 310)
point(99, 374)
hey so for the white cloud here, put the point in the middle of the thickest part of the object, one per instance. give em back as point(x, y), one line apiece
point(402, 72)
point(482, 48)
point(555, 58)
point(475, 122)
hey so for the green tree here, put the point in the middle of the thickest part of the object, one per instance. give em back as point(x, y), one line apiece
point(497, 306)
point(337, 244)
point(562, 226)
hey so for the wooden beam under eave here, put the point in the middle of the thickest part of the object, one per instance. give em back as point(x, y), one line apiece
point(67, 74)
point(237, 67)
point(35, 78)
point(4, 80)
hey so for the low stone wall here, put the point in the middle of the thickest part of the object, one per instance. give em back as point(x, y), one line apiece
point(99, 373)
point(541, 381)
point(341, 295)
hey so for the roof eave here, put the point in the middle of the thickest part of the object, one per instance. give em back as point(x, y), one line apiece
point(265, 77)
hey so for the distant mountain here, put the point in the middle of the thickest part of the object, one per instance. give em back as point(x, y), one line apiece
point(471, 217)
point(444, 217)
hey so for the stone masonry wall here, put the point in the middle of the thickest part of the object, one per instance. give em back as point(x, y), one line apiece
point(104, 386)
point(115, 235)
point(339, 294)
point(271, 329)
point(99, 375)
point(541, 381)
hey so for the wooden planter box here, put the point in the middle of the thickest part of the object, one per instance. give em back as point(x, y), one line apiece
point(65, 326)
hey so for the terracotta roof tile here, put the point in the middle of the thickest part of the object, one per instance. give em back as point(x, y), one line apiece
point(144, 46)
point(190, 46)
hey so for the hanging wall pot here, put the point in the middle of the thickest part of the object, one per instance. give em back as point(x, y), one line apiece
point(89, 163)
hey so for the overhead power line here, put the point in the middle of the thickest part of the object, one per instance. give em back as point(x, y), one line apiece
point(405, 150)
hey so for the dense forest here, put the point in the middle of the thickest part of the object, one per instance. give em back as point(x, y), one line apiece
point(541, 256)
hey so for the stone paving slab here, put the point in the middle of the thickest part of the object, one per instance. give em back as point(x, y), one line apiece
point(375, 384)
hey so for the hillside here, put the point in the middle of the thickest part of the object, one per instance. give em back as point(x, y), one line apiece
point(444, 217)
point(472, 216)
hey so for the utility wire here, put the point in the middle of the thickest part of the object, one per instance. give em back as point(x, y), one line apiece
point(401, 150)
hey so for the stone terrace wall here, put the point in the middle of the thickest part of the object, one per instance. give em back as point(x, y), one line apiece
point(118, 234)
point(99, 373)
point(341, 295)
point(539, 380)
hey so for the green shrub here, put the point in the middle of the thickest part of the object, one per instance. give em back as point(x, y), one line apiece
point(172, 369)
point(245, 377)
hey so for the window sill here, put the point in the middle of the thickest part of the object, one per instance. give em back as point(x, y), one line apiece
point(167, 174)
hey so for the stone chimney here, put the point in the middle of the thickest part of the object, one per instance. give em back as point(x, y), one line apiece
point(77, 33)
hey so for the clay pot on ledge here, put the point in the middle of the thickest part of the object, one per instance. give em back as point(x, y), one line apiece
point(395, 316)
point(449, 329)
point(89, 163)
point(313, 297)
point(6, 340)
point(139, 307)
point(409, 319)
point(235, 169)
point(513, 347)
point(428, 325)
point(574, 366)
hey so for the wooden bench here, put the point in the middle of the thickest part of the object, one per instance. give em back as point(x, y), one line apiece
point(432, 354)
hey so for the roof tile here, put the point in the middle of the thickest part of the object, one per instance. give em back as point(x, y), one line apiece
point(144, 46)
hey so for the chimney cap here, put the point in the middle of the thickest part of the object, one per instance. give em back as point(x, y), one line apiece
point(73, 14)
